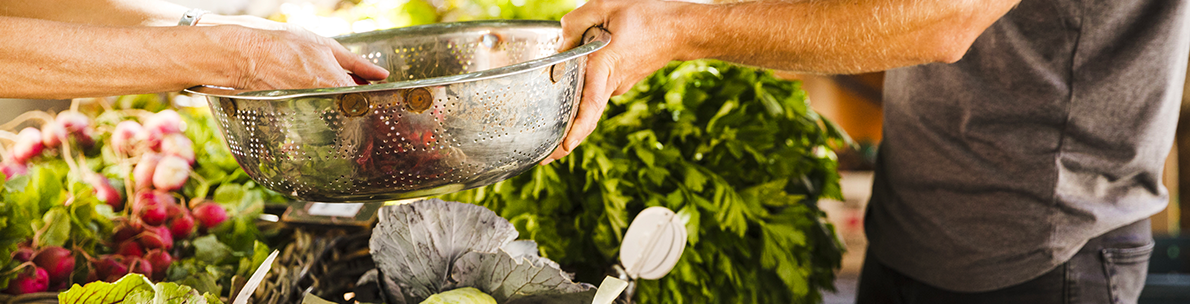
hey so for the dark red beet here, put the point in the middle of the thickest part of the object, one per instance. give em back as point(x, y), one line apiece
point(209, 215)
point(160, 261)
point(23, 254)
point(57, 261)
point(30, 280)
point(182, 226)
point(130, 248)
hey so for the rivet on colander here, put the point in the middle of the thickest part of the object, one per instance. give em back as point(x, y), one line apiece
point(228, 106)
point(353, 105)
point(418, 100)
point(557, 71)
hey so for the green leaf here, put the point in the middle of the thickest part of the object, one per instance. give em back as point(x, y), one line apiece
point(56, 229)
point(209, 250)
point(104, 293)
point(134, 288)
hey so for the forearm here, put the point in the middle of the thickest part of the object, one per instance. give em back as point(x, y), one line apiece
point(97, 12)
point(50, 60)
point(837, 36)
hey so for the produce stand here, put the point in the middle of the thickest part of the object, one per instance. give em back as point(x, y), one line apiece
point(734, 154)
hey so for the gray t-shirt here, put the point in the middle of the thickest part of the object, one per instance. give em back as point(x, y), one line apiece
point(1052, 129)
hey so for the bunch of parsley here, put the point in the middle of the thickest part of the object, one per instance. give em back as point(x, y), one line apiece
point(736, 151)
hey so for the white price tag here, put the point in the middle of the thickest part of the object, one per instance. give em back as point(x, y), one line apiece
point(343, 210)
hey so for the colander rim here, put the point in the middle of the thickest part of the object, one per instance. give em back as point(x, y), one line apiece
point(582, 50)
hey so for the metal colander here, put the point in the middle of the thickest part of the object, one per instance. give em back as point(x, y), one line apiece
point(466, 105)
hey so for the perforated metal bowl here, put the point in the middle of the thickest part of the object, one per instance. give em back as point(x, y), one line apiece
point(466, 105)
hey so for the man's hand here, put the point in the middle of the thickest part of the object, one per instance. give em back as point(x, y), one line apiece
point(829, 37)
point(644, 39)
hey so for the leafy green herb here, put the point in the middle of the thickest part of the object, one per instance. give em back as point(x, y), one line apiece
point(740, 155)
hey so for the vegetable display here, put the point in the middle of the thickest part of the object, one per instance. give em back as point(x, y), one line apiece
point(737, 152)
point(122, 186)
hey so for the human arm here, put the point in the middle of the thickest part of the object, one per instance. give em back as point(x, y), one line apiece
point(828, 36)
point(51, 58)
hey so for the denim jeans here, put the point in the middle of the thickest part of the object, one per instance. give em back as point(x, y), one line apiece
point(1110, 268)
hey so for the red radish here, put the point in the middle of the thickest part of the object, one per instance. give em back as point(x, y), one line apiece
point(130, 248)
point(153, 213)
point(30, 280)
point(105, 192)
point(85, 138)
point(160, 261)
point(182, 226)
point(58, 262)
point(23, 254)
point(166, 240)
point(73, 122)
point(178, 145)
point(142, 174)
point(28, 145)
point(165, 122)
point(127, 231)
point(124, 137)
point(110, 267)
point(174, 211)
point(52, 135)
point(171, 174)
point(11, 170)
point(152, 240)
point(209, 215)
point(139, 265)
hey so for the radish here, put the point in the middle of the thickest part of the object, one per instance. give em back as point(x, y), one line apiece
point(166, 238)
point(73, 122)
point(151, 239)
point(130, 248)
point(30, 280)
point(139, 265)
point(160, 261)
point(178, 145)
point(142, 174)
point(153, 214)
point(110, 267)
point(105, 192)
point(127, 231)
point(124, 137)
point(58, 262)
point(171, 174)
point(11, 170)
point(23, 254)
point(28, 145)
point(165, 122)
point(52, 135)
point(182, 226)
point(209, 215)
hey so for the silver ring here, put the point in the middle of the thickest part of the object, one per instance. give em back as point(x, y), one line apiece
point(191, 17)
